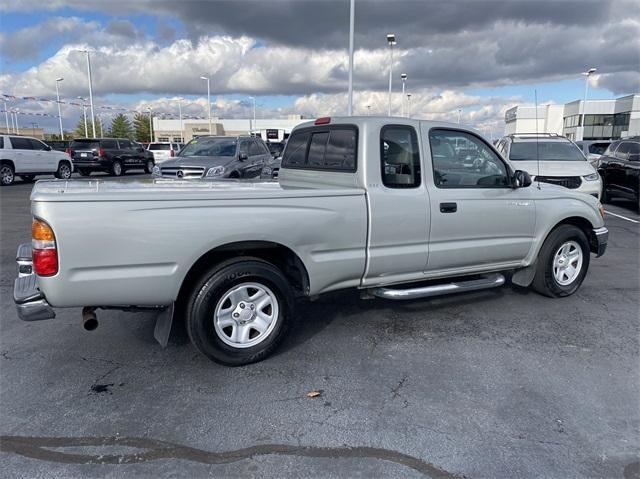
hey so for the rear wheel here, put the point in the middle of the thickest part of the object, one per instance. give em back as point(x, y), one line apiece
point(148, 167)
point(563, 262)
point(64, 171)
point(239, 311)
point(116, 168)
point(7, 175)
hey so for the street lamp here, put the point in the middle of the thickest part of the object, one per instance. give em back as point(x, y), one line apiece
point(58, 80)
point(459, 113)
point(180, 114)
point(15, 113)
point(587, 74)
point(150, 125)
point(409, 105)
point(403, 77)
point(208, 100)
point(6, 117)
point(93, 122)
point(253, 125)
point(391, 40)
point(352, 7)
point(84, 115)
point(13, 125)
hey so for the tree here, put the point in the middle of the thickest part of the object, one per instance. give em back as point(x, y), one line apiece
point(79, 132)
point(141, 127)
point(121, 127)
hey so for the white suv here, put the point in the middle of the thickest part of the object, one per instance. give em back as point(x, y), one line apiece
point(163, 151)
point(27, 157)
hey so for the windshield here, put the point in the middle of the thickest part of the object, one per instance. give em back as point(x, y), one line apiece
point(546, 151)
point(84, 144)
point(159, 146)
point(209, 147)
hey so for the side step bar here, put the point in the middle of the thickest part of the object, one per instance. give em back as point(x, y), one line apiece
point(489, 281)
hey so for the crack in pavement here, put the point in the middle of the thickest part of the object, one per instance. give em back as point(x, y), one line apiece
point(37, 448)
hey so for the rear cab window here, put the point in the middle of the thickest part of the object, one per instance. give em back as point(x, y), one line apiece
point(327, 148)
point(85, 144)
point(159, 146)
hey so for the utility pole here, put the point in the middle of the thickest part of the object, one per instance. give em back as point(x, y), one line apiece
point(93, 122)
point(403, 77)
point(409, 105)
point(352, 8)
point(180, 113)
point(587, 74)
point(208, 100)
point(6, 117)
point(150, 126)
point(58, 80)
point(84, 115)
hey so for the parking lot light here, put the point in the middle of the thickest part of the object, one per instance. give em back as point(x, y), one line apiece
point(459, 114)
point(403, 77)
point(409, 105)
point(84, 114)
point(208, 100)
point(352, 7)
point(58, 80)
point(6, 117)
point(391, 40)
point(587, 74)
point(253, 125)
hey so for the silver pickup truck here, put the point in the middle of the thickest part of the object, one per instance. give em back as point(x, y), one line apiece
point(395, 207)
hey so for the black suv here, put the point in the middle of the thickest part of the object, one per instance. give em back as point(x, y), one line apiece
point(59, 145)
point(619, 167)
point(112, 155)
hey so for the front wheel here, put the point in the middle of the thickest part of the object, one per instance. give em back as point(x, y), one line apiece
point(7, 175)
point(64, 171)
point(148, 167)
point(563, 262)
point(239, 312)
point(116, 168)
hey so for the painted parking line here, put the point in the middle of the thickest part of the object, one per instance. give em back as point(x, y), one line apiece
point(621, 217)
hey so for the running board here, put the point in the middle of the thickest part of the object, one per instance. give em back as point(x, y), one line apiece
point(486, 282)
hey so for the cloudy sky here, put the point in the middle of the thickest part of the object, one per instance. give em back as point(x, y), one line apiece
point(475, 55)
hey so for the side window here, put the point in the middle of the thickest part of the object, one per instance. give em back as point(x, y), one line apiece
point(462, 160)
point(400, 157)
point(254, 149)
point(124, 144)
point(244, 148)
point(296, 151)
point(37, 144)
point(109, 144)
point(611, 149)
point(264, 148)
point(18, 143)
point(317, 148)
point(628, 151)
point(341, 150)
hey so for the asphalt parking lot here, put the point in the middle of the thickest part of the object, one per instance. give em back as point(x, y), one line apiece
point(503, 383)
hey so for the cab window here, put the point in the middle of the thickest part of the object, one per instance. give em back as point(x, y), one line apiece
point(462, 160)
point(400, 157)
point(18, 143)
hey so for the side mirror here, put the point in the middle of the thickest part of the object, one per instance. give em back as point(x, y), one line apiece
point(521, 179)
point(243, 156)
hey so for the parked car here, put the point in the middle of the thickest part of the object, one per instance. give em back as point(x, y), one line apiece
point(217, 157)
point(374, 203)
point(593, 149)
point(552, 159)
point(163, 151)
point(60, 145)
point(29, 157)
point(115, 156)
point(619, 168)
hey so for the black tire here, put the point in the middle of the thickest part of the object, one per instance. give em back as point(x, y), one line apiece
point(116, 168)
point(27, 178)
point(7, 174)
point(84, 172)
point(148, 166)
point(64, 171)
point(235, 175)
point(545, 281)
point(211, 288)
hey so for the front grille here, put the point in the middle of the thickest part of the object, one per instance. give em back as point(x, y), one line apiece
point(188, 172)
point(571, 182)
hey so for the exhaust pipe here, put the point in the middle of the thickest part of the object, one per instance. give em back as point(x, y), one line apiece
point(89, 318)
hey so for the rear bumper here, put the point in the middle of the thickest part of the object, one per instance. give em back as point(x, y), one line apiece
point(92, 165)
point(598, 241)
point(30, 301)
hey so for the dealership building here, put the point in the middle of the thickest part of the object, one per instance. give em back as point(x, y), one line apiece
point(603, 119)
point(275, 129)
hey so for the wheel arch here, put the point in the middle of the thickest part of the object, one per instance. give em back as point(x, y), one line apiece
point(279, 255)
point(9, 162)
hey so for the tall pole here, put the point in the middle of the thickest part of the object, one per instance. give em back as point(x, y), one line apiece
point(403, 77)
point(6, 117)
point(17, 124)
point(100, 123)
point(352, 9)
point(84, 115)
point(586, 89)
point(93, 122)
point(391, 40)
point(459, 112)
point(58, 80)
point(150, 126)
point(208, 100)
point(409, 105)
point(13, 125)
point(180, 113)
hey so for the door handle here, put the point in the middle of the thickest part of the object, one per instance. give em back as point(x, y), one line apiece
point(448, 207)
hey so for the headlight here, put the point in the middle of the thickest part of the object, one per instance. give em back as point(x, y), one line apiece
point(156, 171)
point(592, 177)
point(216, 171)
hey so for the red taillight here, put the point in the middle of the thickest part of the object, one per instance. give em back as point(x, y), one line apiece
point(101, 152)
point(68, 151)
point(45, 253)
point(323, 120)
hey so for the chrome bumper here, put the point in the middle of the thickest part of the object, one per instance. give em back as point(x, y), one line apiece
point(30, 301)
point(598, 240)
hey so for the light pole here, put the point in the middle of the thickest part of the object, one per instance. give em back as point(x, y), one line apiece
point(391, 40)
point(253, 125)
point(100, 123)
point(587, 74)
point(352, 8)
point(13, 125)
point(58, 80)
point(15, 113)
point(6, 117)
point(403, 77)
point(150, 126)
point(93, 122)
point(368, 110)
point(459, 113)
point(208, 100)
point(180, 114)
point(409, 105)
point(84, 115)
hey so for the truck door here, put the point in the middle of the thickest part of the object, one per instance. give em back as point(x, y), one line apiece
point(477, 218)
point(399, 214)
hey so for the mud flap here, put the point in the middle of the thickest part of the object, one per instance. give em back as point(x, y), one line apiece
point(164, 321)
point(524, 277)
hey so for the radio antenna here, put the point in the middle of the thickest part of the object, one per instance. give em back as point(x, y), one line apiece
point(535, 96)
